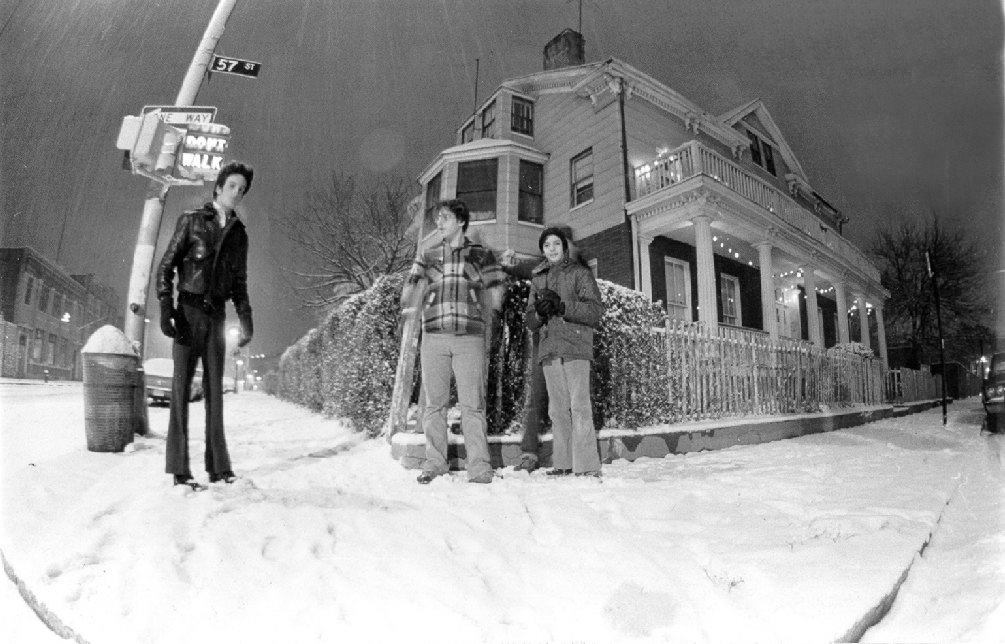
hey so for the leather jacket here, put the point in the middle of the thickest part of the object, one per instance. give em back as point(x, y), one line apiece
point(212, 263)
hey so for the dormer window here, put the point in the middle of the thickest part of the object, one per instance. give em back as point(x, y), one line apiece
point(522, 116)
point(489, 121)
point(761, 153)
point(468, 132)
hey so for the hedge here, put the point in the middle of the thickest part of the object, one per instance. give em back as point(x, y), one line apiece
point(345, 368)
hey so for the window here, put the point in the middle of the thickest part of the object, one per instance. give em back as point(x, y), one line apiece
point(57, 305)
point(489, 121)
point(476, 186)
point(761, 153)
point(43, 298)
point(432, 198)
point(581, 171)
point(36, 346)
point(730, 300)
point(522, 116)
point(530, 206)
point(468, 133)
point(28, 289)
point(50, 355)
point(678, 282)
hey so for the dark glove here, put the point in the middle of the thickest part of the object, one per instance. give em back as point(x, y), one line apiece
point(167, 319)
point(247, 331)
point(549, 303)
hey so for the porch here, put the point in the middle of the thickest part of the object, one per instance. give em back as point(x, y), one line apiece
point(720, 245)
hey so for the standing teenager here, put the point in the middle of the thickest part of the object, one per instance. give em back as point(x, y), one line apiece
point(463, 287)
point(565, 307)
point(209, 254)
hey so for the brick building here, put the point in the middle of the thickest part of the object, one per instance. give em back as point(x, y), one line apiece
point(47, 315)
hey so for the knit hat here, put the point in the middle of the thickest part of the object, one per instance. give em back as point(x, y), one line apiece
point(557, 232)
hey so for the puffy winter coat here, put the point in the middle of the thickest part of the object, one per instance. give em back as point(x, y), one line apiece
point(568, 336)
point(211, 262)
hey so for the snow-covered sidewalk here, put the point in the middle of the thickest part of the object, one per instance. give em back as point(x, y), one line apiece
point(326, 538)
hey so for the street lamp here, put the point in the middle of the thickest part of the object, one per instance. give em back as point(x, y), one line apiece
point(235, 333)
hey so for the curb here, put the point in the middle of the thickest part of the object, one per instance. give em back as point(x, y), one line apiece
point(54, 623)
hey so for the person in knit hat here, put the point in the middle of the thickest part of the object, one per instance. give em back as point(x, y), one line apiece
point(564, 307)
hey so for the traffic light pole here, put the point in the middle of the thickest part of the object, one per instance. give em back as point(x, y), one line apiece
point(153, 206)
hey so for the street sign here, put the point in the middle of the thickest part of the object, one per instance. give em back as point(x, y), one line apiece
point(246, 68)
point(183, 114)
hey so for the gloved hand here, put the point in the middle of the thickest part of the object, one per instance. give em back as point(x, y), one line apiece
point(549, 303)
point(167, 319)
point(247, 331)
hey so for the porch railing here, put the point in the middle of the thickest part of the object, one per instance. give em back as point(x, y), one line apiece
point(907, 385)
point(731, 373)
point(693, 159)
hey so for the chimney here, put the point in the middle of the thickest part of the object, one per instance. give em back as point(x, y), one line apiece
point(565, 50)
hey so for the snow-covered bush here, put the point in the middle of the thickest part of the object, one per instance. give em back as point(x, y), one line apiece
point(630, 376)
point(854, 348)
point(346, 367)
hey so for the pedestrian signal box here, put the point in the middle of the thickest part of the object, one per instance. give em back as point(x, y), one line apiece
point(185, 155)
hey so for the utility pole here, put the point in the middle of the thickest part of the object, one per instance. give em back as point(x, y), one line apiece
point(933, 274)
point(153, 206)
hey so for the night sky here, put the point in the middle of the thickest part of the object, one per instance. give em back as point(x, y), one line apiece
point(893, 107)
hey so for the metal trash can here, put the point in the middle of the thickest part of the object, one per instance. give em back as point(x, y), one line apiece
point(112, 375)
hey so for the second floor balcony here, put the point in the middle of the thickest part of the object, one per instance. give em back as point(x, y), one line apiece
point(692, 160)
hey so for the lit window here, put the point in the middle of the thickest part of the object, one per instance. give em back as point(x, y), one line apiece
point(530, 206)
point(522, 116)
point(678, 284)
point(476, 186)
point(489, 121)
point(581, 171)
point(730, 300)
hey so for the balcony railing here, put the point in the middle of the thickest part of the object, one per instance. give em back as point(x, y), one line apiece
point(693, 159)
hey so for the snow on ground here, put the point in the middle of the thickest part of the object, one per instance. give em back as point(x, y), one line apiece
point(327, 538)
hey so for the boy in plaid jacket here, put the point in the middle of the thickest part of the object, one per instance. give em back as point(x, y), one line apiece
point(463, 287)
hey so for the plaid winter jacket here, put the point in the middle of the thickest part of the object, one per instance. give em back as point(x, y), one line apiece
point(457, 280)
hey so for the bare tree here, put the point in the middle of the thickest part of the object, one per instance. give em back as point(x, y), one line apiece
point(348, 234)
point(910, 311)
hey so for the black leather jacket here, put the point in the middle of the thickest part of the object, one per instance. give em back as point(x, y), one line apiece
point(212, 264)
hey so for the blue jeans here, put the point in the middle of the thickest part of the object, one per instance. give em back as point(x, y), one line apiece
point(463, 357)
point(575, 440)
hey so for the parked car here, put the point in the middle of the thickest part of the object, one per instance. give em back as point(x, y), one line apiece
point(158, 374)
point(993, 393)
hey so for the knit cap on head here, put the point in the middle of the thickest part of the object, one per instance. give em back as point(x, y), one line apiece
point(557, 232)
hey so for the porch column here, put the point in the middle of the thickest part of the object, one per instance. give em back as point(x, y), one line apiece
point(636, 264)
point(863, 321)
point(770, 321)
point(842, 311)
point(881, 335)
point(645, 266)
point(812, 319)
point(708, 308)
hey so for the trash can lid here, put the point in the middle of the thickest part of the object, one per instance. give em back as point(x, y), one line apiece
point(109, 339)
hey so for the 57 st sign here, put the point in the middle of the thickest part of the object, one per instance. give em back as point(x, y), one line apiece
point(246, 68)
